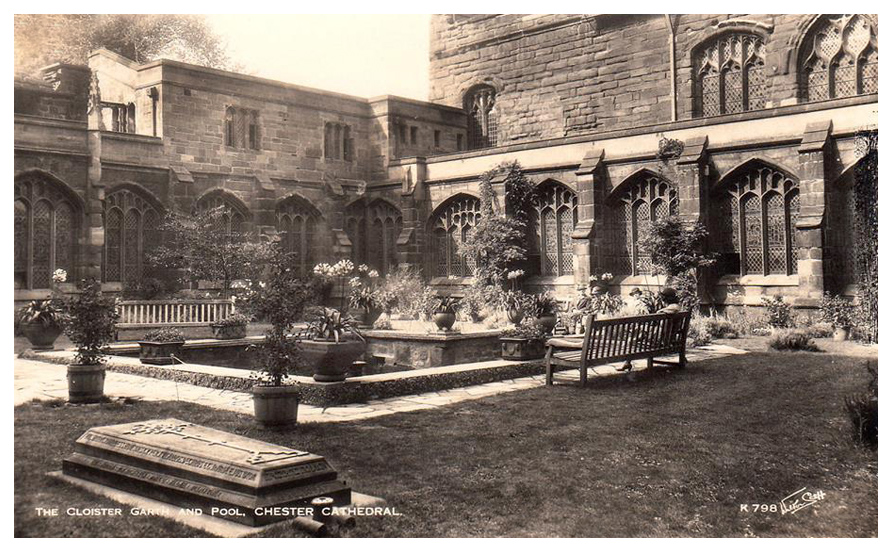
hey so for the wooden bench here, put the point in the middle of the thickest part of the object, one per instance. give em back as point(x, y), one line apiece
point(622, 339)
point(194, 316)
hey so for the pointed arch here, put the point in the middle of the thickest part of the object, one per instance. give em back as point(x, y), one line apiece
point(837, 57)
point(132, 220)
point(301, 230)
point(728, 72)
point(450, 226)
point(47, 226)
point(385, 222)
point(753, 226)
point(236, 214)
point(554, 218)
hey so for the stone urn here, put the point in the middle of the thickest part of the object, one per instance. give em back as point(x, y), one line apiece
point(229, 332)
point(160, 353)
point(522, 349)
point(86, 383)
point(330, 361)
point(515, 316)
point(276, 406)
point(445, 320)
point(41, 337)
point(370, 316)
point(547, 322)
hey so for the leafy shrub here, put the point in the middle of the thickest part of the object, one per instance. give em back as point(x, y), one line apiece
point(819, 330)
point(720, 327)
point(862, 409)
point(836, 310)
point(407, 295)
point(330, 325)
point(90, 322)
point(778, 311)
point(164, 335)
point(236, 319)
point(446, 304)
point(793, 340)
point(542, 304)
point(698, 335)
point(527, 330)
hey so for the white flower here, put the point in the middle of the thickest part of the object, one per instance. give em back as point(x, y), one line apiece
point(515, 274)
point(373, 274)
point(355, 282)
point(363, 268)
point(607, 276)
point(59, 275)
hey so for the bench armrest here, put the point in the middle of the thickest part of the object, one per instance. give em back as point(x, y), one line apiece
point(565, 344)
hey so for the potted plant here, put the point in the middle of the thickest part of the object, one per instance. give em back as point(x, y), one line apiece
point(543, 308)
point(90, 324)
point(161, 346)
point(326, 345)
point(838, 312)
point(517, 305)
point(275, 397)
point(599, 282)
point(523, 342)
point(41, 321)
point(365, 295)
point(233, 327)
point(445, 313)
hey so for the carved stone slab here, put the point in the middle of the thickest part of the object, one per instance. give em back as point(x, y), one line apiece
point(195, 466)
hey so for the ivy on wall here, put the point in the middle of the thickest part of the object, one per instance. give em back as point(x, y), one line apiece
point(866, 238)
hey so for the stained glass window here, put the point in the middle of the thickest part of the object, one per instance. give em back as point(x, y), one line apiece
point(839, 58)
point(450, 227)
point(555, 215)
point(131, 223)
point(729, 75)
point(299, 225)
point(641, 202)
point(46, 231)
point(756, 222)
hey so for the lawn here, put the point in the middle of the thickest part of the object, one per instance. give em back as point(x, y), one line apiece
point(670, 454)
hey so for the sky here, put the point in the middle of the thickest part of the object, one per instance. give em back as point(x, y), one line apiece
point(361, 55)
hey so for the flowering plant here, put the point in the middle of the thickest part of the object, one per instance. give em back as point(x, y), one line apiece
point(542, 304)
point(164, 335)
point(330, 325)
point(447, 304)
point(366, 293)
point(47, 312)
point(236, 319)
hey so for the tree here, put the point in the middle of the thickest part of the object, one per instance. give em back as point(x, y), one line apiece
point(677, 251)
point(48, 38)
point(195, 246)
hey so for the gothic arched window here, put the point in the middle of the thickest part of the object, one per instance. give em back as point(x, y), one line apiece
point(131, 231)
point(300, 229)
point(385, 223)
point(451, 226)
point(644, 201)
point(355, 227)
point(729, 75)
point(555, 215)
point(756, 221)
point(839, 58)
point(483, 120)
point(233, 215)
point(46, 227)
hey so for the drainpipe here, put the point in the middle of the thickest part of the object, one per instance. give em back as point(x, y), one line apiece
point(671, 41)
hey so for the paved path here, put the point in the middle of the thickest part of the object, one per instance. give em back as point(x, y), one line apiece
point(37, 380)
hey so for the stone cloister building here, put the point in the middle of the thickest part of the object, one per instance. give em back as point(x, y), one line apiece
point(751, 124)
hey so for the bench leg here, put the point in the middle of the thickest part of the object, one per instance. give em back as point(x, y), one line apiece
point(584, 374)
point(549, 367)
point(650, 363)
point(682, 359)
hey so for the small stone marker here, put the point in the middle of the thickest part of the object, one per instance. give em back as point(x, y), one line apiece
point(196, 467)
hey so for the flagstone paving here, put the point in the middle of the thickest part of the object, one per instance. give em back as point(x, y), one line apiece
point(45, 381)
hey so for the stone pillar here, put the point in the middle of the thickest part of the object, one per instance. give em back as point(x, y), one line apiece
point(410, 243)
point(91, 260)
point(693, 196)
point(335, 201)
point(588, 236)
point(808, 235)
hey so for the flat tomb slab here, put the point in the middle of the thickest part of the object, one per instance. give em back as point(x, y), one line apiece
point(194, 466)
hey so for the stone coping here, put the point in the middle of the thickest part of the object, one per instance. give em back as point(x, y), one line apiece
point(429, 337)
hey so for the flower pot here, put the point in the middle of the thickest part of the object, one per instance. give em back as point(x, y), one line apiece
point(369, 317)
point(522, 349)
point(515, 316)
point(445, 321)
point(330, 361)
point(276, 405)
point(229, 332)
point(159, 353)
point(547, 322)
point(85, 383)
point(41, 337)
point(599, 288)
point(841, 334)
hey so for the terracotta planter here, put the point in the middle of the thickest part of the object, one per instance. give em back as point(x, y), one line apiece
point(547, 322)
point(841, 334)
point(330, 361)
point(522, 349)
point(159, 353)
point(86, 383)
point(515, 316)
point(229, 332)
point(369, 317)
point(445, 321)
point(41, 337)
point(276, 405)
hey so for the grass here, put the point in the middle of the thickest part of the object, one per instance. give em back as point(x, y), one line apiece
point(670, 454)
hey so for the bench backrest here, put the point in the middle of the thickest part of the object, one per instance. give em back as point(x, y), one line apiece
point(640, 336)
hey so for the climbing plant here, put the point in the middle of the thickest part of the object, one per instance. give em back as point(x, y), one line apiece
point(865, 195)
